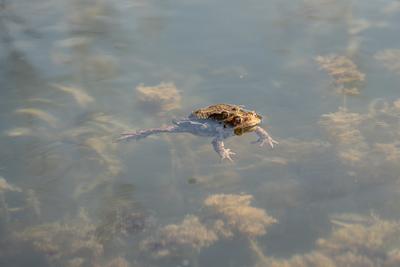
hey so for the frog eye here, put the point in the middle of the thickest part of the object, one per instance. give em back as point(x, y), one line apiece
point(224, 114)
point(237, 120)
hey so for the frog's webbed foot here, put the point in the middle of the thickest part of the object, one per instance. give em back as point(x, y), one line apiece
point(264, 137)
point(263, 141)
point(224, 153)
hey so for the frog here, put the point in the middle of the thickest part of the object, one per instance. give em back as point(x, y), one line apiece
point(219, 121)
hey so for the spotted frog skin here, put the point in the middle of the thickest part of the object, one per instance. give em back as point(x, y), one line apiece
point(219, 121)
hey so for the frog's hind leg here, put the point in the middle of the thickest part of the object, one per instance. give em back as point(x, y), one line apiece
point(144, 133)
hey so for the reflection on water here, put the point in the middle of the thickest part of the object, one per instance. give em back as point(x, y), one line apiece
point(75, 74)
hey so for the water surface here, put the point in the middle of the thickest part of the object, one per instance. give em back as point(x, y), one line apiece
point(75, 74)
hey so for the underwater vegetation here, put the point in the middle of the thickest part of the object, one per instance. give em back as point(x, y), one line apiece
point(91, 135)
point(5, 186)
point(176, 238)
point(390, 59)
point(74, 74)
point(65, 241)
point(344, 73)
point(70, 242)
point(373, 243)
point(158, 99)
point(237, 213)
point(225, 216)
point(342, 126)
point(83, 239)
point(79, 95)
point(354, 134)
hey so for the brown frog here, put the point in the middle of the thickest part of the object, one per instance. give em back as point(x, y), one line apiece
point(219, 121)
point(233, 116)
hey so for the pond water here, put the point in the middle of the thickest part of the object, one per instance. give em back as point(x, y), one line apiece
point(76, 74)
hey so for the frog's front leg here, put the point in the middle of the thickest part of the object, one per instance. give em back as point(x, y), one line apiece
point(224, 153)
point(264, 137)
point(219, 147)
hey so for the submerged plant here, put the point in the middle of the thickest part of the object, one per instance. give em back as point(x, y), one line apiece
point(341, 69)
point(228, 216)
point(158, 99)
point(65, 241)
point(368, 142)
point(390, 58)
point(5, 186)
point(80, 96)
point(344, 72)
point(342, 128)
point(237, 214)
point(358, 245)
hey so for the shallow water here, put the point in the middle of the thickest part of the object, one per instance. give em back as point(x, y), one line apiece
point(75, 74)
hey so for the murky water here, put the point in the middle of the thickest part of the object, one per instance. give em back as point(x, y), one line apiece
point(75, 74)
